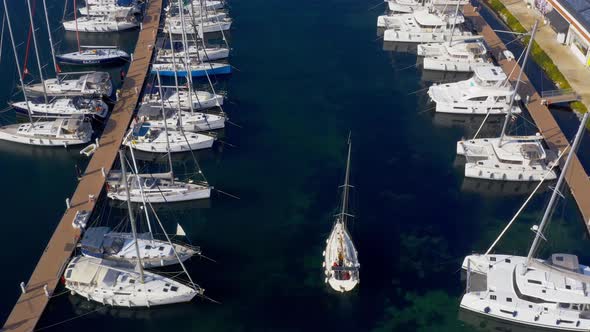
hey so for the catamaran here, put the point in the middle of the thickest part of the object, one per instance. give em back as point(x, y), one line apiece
point(94, 55)
point(547, 293)
point(409, 6)
point(461, 56)
point(508, 158)
point(341, 265)
point(487, 92)
point(422, 26)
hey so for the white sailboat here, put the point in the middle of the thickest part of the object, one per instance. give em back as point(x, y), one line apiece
point(190, 121)
point(60, 132)
point(540, 293)
point(508, 158)
point(197, 100)
point(194, 52)
point(101, 24)
point(487, 92)
point(107, 282)
point(144, 137)
point(462, 56)
point(176, 26)
point(110, 9)
point(62, 107)
point(85, 84)
point(205, 4)
point(341, 265)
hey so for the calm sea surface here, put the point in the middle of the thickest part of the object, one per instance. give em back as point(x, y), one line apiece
point(307, 73)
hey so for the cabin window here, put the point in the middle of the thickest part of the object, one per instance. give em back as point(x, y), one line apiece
point(478, 98)
point(68, 274)
point(536, 282)
point(148, 247)
point(508, 299)
point(559, 258)
point(564, 305)
point(568, 287)
point(493, 297)
point(165, 290)
point(174, 288)
point(161, 248)
point(492, 259)
point(507, 260)
point(131, 281)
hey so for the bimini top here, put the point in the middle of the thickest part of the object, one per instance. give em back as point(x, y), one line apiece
point(426, 18)
point(489, 73)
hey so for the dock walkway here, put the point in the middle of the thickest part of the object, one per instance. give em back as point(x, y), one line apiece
point(577, 178)
point(30, 305)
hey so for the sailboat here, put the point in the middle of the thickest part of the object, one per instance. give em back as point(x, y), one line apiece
point(95, 55)
point(547, 293)
point(341, 265)
point(508, 158)
point(114, 8)
point(110, 283)
point(73, 84)
point(60, 132)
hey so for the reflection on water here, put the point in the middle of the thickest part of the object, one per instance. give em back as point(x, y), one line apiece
point(438, 76)
point(484, 323)
point(398, 47)
point(470, 123)
point(491, 188)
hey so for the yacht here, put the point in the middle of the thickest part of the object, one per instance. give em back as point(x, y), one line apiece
point(511, 158)
point(101, 24)
point(198, 100)
point(462, 56)
point(110, 9)
point(103, 243)
point(207, 4)
point(56, 133)
point(148, 139)
point(175, 26)
point(62, 107)
point(193, 52)
point(487, 92)
point(197, 69)
point(341, 265)
point(409, 6)
point(91, 55)
point(422, 26)
point(156, 187)
point(102, 281)
point(89, 84)
point(549, 293)
point(151, 114)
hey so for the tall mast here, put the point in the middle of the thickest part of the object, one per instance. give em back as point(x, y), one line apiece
point(556, 190)
point(37, 51)
point(186, 58)
point(147, 215)
point(178, 110)
point(513, 96)
point(16, 60)
point(131, 217)
point(346, 185)
point(454, 23)
point(166, 127)
point(55, 66)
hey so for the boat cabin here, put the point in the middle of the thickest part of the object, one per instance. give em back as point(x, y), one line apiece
point(489, 76)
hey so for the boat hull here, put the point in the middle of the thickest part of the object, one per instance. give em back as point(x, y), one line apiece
point(164, 197)
point(76, 61)
point(222, 70)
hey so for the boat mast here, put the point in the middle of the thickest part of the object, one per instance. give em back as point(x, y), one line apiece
point(55, 66)
point(513, 96)
point(166, 127)
point(556, 190)
point(186, 58)
point(346, 186)
point(454, 23)
point(37, 51)
point(178, 110)
point(147, 216)
point(131, 217)
point(16, 61)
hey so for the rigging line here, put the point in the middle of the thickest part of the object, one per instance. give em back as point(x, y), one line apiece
point(2, 36)
point(76, 23)
point(377, 5)
point(556, 162)
point(70, 319)
point(25, 69)
point(65, 12)
point(482, 123)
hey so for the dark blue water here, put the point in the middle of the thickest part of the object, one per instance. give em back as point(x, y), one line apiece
point(309, 72)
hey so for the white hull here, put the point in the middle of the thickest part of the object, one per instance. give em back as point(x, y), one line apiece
point(20, 133)
point(70, 88)
point(156, 143)
point(442, 64)
point(95, 25)
point(64, 108)
point(391, 35)
point(201, 100)
point(208, 54)
point(475, 108)
point(191, 122)
point(341, 253)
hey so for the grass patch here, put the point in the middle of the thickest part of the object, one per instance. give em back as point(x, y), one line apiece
point(537, 53)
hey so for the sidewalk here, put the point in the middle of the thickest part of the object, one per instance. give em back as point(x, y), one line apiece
point(574, 71)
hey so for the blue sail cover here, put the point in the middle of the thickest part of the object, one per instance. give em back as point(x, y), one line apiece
point(125, 3)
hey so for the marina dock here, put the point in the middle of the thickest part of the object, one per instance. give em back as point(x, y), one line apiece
point(577, 178)
point(46, 275)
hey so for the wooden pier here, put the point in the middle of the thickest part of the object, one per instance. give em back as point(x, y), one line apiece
point(31, 304)
point(577, 178)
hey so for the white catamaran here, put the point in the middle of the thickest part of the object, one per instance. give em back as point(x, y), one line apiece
point(341, 265)
point(540, 293)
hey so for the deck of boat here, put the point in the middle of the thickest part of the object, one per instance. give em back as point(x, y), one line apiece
point(49, 269)
point(577, 178)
